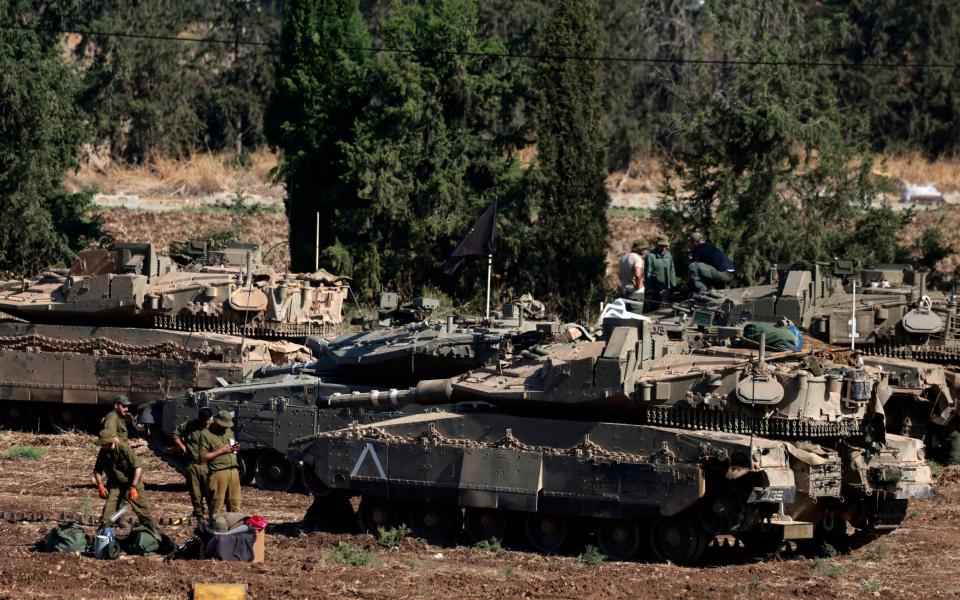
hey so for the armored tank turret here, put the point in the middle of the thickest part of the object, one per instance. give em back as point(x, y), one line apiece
point(428, 349)
point(223, 291)
point(625, 434)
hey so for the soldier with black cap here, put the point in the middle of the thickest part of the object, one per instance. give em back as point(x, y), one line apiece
point(219, 450)
point(115, 423)
point(187, 438)
point(118, 474)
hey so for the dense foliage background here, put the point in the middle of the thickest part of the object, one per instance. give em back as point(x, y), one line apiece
point(400, 120)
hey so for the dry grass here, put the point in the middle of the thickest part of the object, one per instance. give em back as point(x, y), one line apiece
point(913, 168)
point(202, 174)
point(643, 175)
point(268, 229)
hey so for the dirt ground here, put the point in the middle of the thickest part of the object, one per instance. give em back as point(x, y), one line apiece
point(920, 560)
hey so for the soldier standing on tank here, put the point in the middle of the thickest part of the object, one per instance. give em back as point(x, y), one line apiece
point(219, 450)
point(187, 438)
point(118, 473)
point(710, 266)
point(630, 270)
point(660, 276)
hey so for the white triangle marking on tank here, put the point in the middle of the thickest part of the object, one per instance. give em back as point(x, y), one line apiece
point(368, 449)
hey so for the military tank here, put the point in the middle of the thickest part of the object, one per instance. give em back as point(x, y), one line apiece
point(269, 413)
point(626, 436)
point(133, 320)
point(66, 376)
point(430, 348)
point(884, 310)
point(279, 403)
point(196, 288)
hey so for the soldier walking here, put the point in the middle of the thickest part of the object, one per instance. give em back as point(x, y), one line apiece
point(187, 438)
point(219, 450)
point(114, 424)
point(118, 473)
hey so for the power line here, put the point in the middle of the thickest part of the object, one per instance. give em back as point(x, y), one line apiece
point(505, 55)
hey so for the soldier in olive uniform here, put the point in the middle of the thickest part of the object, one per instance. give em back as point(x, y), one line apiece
point(115, 423)
point(118, 474)
point(660, 276)
point(187, 438)
point(219, 450)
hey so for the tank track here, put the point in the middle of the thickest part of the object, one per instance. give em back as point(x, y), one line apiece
point(716, 420)
point(103, 345)
point(941, 355)
point(254, 329)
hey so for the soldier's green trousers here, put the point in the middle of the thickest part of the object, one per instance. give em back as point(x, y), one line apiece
point(116, 496)
point(197, 486)
point(224, 491)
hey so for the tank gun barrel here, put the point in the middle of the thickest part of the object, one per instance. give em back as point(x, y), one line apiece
point(427, 392)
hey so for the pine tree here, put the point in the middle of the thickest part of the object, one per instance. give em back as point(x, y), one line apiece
point(321, 76)
point(767, 166)
point(429, 154)
point(41, 130)
point(569, 242)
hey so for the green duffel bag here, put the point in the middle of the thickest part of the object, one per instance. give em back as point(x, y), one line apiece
point(144, 541)
point(66, 537)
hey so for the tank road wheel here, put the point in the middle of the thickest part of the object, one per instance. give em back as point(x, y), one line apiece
point(485, 524)
point(275, 472)
point(618, 538)
point(16, 415)
point(546, 533)
point(678, 539)
point(375, 513)
point(66, 417)
point(438, 524)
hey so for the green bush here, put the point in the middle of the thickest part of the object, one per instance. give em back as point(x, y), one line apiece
point(493, 544)
point(592, 555)
point(348, 554)
point(26, 452)
point(389, 538)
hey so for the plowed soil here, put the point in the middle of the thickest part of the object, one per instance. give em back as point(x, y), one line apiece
point(920, 560)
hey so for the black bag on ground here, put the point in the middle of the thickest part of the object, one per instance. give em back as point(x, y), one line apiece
point(65, 537)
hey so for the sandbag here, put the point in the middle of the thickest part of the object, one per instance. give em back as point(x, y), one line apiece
point(66, 537)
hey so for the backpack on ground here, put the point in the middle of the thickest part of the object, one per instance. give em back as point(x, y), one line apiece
point(65, 537)
point(144, 541)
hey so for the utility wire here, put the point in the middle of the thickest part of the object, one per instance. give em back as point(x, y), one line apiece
point(507, 55)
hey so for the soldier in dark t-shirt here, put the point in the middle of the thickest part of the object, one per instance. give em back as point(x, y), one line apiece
point(710, 267)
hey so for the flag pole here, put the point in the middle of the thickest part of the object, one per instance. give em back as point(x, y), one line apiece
point(489, 275)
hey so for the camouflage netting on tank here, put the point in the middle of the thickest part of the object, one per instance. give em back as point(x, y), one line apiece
point(100, 345)
point(585, 449)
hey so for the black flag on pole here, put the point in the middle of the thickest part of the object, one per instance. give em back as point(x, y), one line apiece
point(478, 241)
